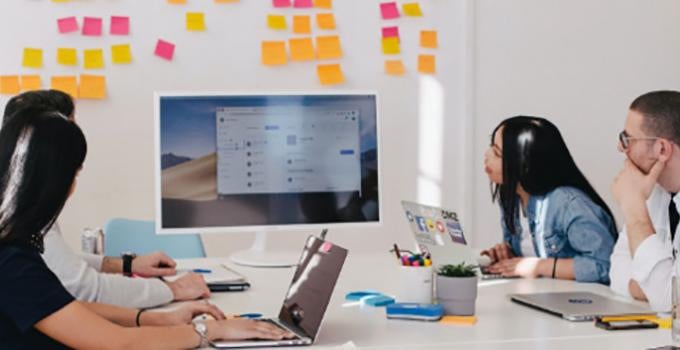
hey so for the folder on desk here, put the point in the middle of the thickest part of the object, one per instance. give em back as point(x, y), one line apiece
point(218, 274)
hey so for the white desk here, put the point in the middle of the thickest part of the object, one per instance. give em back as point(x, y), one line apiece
point(501, 324)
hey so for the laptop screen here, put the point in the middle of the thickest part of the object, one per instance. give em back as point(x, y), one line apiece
point(312, 285)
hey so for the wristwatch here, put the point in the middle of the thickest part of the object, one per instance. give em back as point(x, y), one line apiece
point(127, 263)
point(202, 330)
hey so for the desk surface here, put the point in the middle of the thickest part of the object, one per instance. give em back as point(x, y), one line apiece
point(501, 323)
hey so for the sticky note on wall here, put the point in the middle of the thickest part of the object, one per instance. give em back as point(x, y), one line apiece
point(302, 25)
point(277, 22)
point(281, 3)
point(412, 9)
point(428, 39)
point(177, 2)
point(325, 21)
point(390, 32)
point(92, 26)
point(394, 67)
point(390, 46)
point(301, 49)
point(427, 64)
point(30, 82)
point(302, 4)
point(195, 21)
point(323, 4)
point(33, 58)
point(121, 54)
point(274, 53)
point(9, 84)
point(67, 56)
point(67, 25)
point(120, 25)
point(165, 50)
point(67, 84)
point(94, 58)
point(389, 10)
point(92, 86)
point(330, 74)
point(328, 47)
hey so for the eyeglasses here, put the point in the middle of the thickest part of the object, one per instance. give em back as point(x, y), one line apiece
point(625, 139)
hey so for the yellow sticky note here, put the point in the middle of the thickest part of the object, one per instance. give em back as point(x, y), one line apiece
point(301, 49)
point(412, 9)
point(121, 54)
point(325, 21)
point(274, 53)
point(328, 47)
point(30, 82)
point(67, 84)
point(33, 58)
point(427, 64)
point(195, 21)
point(301, 25)
point(67, 56)
point(94, 59)
point(277, 22)
point(323, 4)
point(330, 74)
point(394, 67)
point(9, 84)
point(428, 39)
point(390, 46)
point(460, 320)
point(92, 86)
point(177, 2)
point(58, 1)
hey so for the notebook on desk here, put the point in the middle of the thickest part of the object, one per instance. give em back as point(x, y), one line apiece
point(218, 277)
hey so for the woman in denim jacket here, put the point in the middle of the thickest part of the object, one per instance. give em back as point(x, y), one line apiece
point(554, 223)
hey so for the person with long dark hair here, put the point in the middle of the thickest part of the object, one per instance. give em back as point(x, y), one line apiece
point(554, 223)
point(41, 154)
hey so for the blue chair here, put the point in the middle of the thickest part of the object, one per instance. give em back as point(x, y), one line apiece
point(138, 236)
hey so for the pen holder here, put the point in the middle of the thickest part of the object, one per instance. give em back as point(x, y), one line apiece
point(414, 284)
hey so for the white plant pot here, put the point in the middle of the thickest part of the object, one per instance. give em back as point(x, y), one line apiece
point(457, 295)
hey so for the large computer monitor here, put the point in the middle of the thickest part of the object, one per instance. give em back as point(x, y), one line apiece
point(263, 162)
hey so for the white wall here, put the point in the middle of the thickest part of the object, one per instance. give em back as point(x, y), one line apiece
point(578, 63)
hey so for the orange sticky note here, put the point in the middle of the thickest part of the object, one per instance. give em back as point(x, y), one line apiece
point(301, 25)
point(33, 58)
point(428, 39)
point(274, 53)
point(390, 46)
point(195, 21)
point(323, 4)
point(9, 84)
point(94, 59)
point(92, 86)
point(412, 9)
point(121, 54)
point(394, 67)
point(330, 74)
point(427, 64)
point(30, 82)
point(328, 47)
point(67, 56)
point(177, 2)
point(325, 21)
point(301, 49)
point(277, 22)
point(67, 84)
point(460, 320)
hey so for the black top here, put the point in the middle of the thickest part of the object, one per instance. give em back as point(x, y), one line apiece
point(29, 292)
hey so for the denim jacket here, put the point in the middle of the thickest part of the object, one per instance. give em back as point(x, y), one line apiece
point(566, 223)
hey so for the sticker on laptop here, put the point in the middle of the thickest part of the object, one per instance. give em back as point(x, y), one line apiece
point(456, 232)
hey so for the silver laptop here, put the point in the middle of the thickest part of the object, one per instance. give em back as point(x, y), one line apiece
point(578, 306)
point(307, 298)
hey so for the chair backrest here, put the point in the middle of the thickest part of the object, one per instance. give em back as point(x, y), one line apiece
point(138, 236)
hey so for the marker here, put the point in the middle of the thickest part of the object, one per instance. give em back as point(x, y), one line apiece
point(250, 315)
point(201, 270)
point(396, 251)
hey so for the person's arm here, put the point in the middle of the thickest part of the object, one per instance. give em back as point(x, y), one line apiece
point(620, 274)
point(156, 264)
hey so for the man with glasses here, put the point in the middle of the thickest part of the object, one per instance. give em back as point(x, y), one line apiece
point(643, 260)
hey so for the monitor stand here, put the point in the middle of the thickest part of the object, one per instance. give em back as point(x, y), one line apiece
point(258, 255)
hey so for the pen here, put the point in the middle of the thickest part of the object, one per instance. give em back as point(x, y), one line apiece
point(396, 251)
point(201, 270)
point(323, 234)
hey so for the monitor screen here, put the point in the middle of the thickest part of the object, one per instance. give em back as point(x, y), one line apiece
point(229, 161)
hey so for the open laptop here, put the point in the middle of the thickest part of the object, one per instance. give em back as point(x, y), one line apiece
point(307, 298)
point(439, 232)
point(578, 306)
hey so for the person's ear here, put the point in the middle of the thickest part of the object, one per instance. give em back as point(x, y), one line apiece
point(664, 150)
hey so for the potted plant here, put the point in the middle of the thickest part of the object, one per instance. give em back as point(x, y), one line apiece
point(457, 288)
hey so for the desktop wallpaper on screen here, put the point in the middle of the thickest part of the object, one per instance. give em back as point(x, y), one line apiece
point(268, 160)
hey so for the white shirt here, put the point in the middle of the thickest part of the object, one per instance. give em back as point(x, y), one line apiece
point(81, 276)
point(527, 244)
point(652, 265)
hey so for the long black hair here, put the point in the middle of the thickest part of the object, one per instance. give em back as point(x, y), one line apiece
point(41, 153)
point(536, 157)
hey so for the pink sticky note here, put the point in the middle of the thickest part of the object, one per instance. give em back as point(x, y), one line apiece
point(301, 4)
point(389, 10)
point(120, 25)
point(390, 32)
point(92, 26)
point(165, 49)
point(281, 3)
point(326, 247)
point(67, 25)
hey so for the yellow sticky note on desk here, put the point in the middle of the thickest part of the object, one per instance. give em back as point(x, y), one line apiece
point(94, 59)
point(390, 46)
point(195, 21)
point(121, 54)
point(277, 22)
point(412, 9)
point(33, 58)
point(30, 82)
point(394, 67)
point(328, 47)
point(274, 53)
point(330, 74)
point(459, 320)
point(67, 56)
point(9, 84)
point(325, 21)
point(301, 25)
point(92, 86)
point(67, 84)
point(301, 49)
point(427, 64)
point(428, 39)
